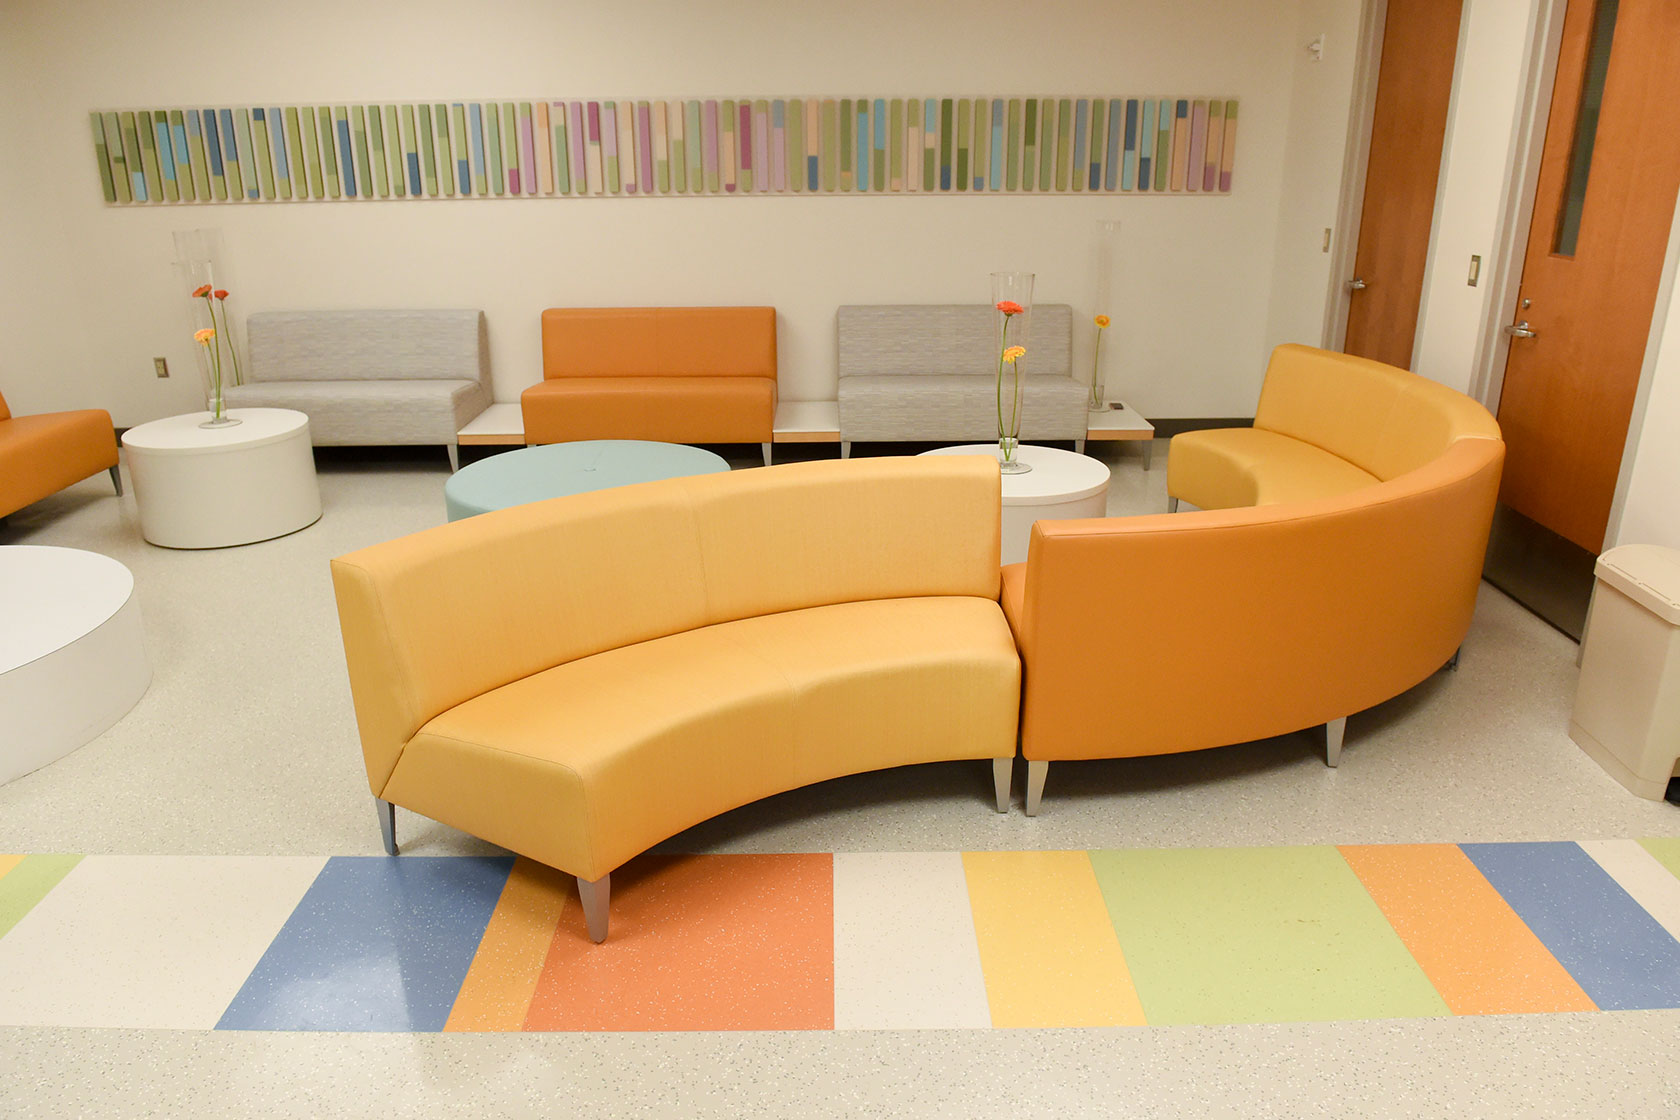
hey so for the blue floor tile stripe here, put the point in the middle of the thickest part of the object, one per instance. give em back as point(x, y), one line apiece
point(1615, 950)
point(377, 944)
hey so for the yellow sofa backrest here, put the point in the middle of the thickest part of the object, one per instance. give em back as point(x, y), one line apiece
point(1381, 419)
point(436, 618)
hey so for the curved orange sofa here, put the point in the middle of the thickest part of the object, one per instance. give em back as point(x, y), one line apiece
point(672, 374)
point(44, 453)
point(1306, 599)
point(580, 678)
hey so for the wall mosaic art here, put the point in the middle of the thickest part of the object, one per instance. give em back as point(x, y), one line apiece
point(552, 149)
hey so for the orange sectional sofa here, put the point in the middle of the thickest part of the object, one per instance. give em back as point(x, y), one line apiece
point(674, 374)
point(42, 454)
point(580, 678)
point(1334, 565)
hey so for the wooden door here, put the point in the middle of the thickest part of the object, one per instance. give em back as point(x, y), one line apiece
point(1609, 173)
point(1414, 84)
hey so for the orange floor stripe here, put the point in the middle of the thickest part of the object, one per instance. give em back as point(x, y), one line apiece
point(1474, 948)
point(497, 991)
point(736, 942)
point(7, 863)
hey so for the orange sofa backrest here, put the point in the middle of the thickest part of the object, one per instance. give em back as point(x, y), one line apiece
point(5, 412)
point(659, 342)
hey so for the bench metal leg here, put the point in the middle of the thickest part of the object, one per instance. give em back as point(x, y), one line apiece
point(1172, 505)
point(387, 825)
point(454, 457)
point(845, 449)
point(1036, 772)
point(594, 897)
point(766, 449)
point(1452, 662)
point(1003, 770)
point(116, 480)
point(1333, 740)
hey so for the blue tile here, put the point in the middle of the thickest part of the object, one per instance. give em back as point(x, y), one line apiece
point(1616, 951)
point(377, 944)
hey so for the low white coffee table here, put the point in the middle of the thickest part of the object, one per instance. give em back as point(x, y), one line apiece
point(213, 487)
point(72, 656)
point(1061, 485)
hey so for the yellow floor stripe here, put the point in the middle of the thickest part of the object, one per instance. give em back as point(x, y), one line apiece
point(1047, 947)
point(497, 991)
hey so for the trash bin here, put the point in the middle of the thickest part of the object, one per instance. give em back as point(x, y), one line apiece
point(1627, 704)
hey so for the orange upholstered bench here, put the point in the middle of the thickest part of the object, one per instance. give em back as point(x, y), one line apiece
point(674, 374)
point(44, 453)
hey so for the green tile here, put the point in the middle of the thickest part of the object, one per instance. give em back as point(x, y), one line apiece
point(1667, 851)
point(28, 883)
point(1255, 935)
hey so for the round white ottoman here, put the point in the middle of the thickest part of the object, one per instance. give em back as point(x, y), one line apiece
point(213, 487)
point(72, 657)
point(1061, 485)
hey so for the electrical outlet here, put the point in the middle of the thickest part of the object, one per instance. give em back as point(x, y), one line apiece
point(1326, 247)
point(161, 365)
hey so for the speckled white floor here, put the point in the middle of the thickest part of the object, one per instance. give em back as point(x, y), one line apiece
point(245, 745)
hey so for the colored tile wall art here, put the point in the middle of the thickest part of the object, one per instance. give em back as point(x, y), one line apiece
point(574, 149)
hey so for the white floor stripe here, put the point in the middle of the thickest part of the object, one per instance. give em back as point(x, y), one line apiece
point(147, 941)
point(1640, 874)
point(905, 954)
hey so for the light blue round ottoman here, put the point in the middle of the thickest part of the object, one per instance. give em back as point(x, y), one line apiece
point(554, 470)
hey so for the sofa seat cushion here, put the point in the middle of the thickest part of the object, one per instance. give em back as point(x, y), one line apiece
point(956, 407)
point(692, 409)
point(370, 412)
point(42, 454)
point(1225, 468)
point(585, 765)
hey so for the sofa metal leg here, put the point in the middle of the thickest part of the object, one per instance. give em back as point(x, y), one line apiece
point(1036, 772)
point(845, 449)
point(765, 447)
point(116, 480)
point(454, 457)
point(1172, 505)
point(1452, 662)
point(1003, 771)
point(1333, 740)
point(594, 897)
point(387, 825)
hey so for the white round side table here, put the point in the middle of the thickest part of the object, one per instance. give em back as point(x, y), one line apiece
point(213, 487)
point(72, 655)
point(1061, 485)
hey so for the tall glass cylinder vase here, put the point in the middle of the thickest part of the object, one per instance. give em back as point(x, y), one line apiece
point(1012, 294)
point(1107, 243)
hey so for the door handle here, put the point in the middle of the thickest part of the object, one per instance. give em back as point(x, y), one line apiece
point(1356, 285)
point(1520, 329)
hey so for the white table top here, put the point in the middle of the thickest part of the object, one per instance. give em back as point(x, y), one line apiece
point(50, 597)
point(181, 435)
point(1122, 419)
point(1056, 475)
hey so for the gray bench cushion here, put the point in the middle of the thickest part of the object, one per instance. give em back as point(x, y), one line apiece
point(929, 372)
point(359, 413)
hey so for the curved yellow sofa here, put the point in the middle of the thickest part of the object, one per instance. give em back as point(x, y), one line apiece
point(1333, 565)
point(580, 678)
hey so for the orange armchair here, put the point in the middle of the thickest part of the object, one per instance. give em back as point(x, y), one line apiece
point(42, 454)
point(676, 374)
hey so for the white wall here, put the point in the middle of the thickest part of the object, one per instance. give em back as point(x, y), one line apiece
point(1648, 504)
point(87, 296)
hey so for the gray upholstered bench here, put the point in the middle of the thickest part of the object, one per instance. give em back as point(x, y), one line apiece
point(929, 372)
point(370, 377)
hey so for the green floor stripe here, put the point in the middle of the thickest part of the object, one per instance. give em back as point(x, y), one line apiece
point(28, 883)
point(1256, 935)
point(1667, 851)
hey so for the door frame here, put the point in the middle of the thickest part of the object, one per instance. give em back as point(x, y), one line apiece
point(1344, 242)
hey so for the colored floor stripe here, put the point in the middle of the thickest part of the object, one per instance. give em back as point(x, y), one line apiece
point(1645, 879)
point(1479, 955)
point(905, 954)
point(497, 991)
point(736, 942)
point(7, 863)
point(1252, 935)
point(27, 882)
point(1048, 948)
point(158, 942)
point(378, 944)
point(1617, 952)
point(1666, 849)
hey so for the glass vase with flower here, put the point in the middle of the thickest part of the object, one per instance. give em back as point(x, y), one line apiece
point(212, 338)
point(1011, 326)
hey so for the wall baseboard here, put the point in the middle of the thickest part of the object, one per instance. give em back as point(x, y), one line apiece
point(1166, 429)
